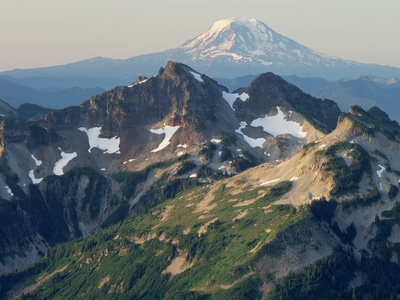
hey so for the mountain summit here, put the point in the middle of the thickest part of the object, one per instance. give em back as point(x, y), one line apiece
point(250, 40)
point(235, 37)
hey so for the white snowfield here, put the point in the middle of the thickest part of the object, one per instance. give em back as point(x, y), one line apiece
point(169, 131)
point(65, 159)
point(37, 161)
point(274, 125)
point(109, 146)
point(277, 125)
point(32, 177)
point(230, 98)
point(197, 76)
point(252, 142)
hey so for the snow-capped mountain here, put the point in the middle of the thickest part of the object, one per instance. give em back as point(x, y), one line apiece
point(252, 41)
point(230, 48)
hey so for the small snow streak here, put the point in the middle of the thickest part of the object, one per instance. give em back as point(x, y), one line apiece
point(380, 171)
point(32, 177)
point(65, 159)
point(9, 191)
point(197, 76)
point(37, 161)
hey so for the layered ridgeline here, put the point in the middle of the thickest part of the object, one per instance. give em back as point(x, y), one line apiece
point(77, 170)
point(320, 224)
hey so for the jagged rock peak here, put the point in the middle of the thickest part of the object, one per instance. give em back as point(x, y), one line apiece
point(173, 69)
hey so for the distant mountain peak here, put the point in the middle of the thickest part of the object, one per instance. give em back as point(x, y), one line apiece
point(243, 40)
point(239, 38)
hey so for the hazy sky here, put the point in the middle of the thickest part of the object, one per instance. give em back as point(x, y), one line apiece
point(52, 32)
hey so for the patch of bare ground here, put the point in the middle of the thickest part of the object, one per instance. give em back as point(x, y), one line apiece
point(204, 205)
point(164, 216)
point(20, 290)
point(265, 289)
point(123, 251)
point(141, 239)
point(104, 281)
point(240, 215)
point(228, 286)
point(178, 264)
point(304, 170)
point(203, 229)
point(255, 248)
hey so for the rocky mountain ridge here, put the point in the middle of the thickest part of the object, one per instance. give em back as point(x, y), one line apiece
point(322, 223)
point(85, 167)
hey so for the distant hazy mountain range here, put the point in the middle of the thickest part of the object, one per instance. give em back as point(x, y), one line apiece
point(20, 91)
point(230, 48)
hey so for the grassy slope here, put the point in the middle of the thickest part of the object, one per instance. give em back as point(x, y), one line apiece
point(215, 233)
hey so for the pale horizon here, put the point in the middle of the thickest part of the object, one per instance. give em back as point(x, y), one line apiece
point(48, 33)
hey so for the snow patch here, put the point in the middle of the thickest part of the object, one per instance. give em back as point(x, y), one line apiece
point(131, 159)
point(102, 169)
point(380, 171)
point(184, 146)
point(231, 98)
point(169, 131)
point(269, 181)
point(193, 175)
point(140, 82)
point(109, 146)
point(65, 159)
point(32, 177)
point(197, 76)
point(9, 191)
point(322, 146)
point(274, 125)
point(216, 141)
point(277, 124)
point(37, 161)
point(294, 178)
